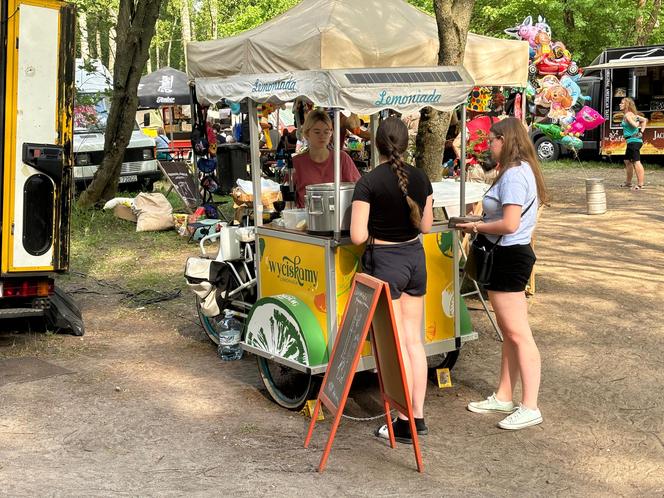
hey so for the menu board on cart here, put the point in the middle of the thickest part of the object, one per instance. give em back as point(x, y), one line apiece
point(348, 345)
point(368, 308)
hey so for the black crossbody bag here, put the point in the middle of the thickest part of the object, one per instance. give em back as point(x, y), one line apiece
point(480, 258)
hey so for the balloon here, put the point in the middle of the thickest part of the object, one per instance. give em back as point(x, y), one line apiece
point(559, 101)
point(586, 119)
point(571, 142)
point(552, 131)
point(570, 83)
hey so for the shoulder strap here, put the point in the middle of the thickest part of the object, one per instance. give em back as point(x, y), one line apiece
point(529, 206)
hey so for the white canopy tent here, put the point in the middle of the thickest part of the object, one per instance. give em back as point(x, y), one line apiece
point(343, 34)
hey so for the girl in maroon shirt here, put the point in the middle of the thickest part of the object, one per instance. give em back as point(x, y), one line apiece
point(316, 165)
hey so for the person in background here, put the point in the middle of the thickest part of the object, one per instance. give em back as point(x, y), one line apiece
point(510, 215)
point(274, 136)
point(316, 164)
point(163, 145)
point(392, 205)
point(633, 127)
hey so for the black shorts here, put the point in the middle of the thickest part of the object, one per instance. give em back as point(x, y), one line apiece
point(512, 266)
point(402, 266)
point(633, 151)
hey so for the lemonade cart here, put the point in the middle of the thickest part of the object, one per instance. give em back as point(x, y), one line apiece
point(303, 280)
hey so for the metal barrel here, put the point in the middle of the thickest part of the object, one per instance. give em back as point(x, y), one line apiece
point(595, 196)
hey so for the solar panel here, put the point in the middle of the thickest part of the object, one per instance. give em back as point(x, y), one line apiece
point(381, 78)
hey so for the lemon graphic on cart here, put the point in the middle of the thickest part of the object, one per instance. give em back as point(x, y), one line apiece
point(283, 328)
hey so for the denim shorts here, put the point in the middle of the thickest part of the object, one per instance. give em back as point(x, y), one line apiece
point(402, 266)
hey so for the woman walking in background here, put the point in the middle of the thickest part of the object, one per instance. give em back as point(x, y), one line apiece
point(392, 205)
point(510, 214)
point(633, 127)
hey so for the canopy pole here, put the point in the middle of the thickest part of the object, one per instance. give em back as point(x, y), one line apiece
point(255, 163)
point(337, 174)
point(172, 119)
point(374, 149)
point(462, 171)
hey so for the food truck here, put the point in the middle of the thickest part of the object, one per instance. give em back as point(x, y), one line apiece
point(36, 108)
point(636, 72)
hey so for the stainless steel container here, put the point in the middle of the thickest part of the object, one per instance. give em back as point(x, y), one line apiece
point(319, 201)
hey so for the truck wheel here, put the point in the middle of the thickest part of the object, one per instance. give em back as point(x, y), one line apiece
point(547, 149)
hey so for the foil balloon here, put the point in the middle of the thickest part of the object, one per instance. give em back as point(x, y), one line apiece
point(553, 131)
point(569, 82)
point(586, 119)
point(573, 143)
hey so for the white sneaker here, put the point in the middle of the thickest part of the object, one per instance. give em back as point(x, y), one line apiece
point(523, 417)
point(491, 405)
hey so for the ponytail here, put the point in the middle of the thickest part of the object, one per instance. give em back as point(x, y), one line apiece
point(392, 141)
point(399, 169)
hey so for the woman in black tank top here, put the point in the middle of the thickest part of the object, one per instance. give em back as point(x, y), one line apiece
point(392, 205)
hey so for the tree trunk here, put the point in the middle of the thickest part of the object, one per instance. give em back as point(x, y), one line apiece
point(638, 31)
point(644, 33)
point(214, 16)
point(186, 24)
point(170, 43)
point(112, 37)
point(135, 29)
point(156, 54)
point(568, 16)
point(83, 26)
point(98, 44)
point(453, 19)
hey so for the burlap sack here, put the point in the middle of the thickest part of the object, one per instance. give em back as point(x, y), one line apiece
point(154, 212)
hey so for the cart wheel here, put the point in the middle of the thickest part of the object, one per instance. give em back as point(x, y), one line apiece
point(288, 387)
point(210, 325)
point(443, 360)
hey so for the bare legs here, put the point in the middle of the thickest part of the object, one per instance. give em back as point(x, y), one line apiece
point(408, 311)
point(520, 356)
point(630, 168)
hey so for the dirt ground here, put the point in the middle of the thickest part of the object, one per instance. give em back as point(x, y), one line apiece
point(147, 408)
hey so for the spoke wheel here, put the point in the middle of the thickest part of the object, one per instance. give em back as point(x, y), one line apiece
point(288, 387)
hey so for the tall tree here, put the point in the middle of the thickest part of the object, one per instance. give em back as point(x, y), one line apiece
point(644, 28)
point(135, 29)
point(453, 19)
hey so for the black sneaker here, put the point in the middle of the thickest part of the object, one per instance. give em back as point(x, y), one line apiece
point(401, 430)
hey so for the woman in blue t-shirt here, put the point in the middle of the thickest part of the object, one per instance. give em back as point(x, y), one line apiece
point(510, 214)
point(633, 127)
point(392, 205)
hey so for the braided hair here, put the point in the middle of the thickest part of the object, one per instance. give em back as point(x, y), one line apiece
point(392, 142)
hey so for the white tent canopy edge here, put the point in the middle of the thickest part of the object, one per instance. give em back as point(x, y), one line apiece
point(363, 91)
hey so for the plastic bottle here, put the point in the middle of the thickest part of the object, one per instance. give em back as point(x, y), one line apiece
point(230, 334)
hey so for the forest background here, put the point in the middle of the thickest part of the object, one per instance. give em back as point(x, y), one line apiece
point(586, 26)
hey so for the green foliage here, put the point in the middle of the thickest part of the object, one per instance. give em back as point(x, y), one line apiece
point(588, 28)
point(585, 26)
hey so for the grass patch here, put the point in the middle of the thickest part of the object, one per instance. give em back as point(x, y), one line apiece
point(617, 163)
point(108, 248)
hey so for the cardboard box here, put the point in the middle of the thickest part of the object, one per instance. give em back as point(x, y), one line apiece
point(124, 213)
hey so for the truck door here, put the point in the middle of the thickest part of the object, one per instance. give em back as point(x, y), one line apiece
point(38, 72)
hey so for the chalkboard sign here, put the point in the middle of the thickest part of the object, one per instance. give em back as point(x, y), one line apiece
point(352, 334)
point(369, 305)
point(182, 182)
